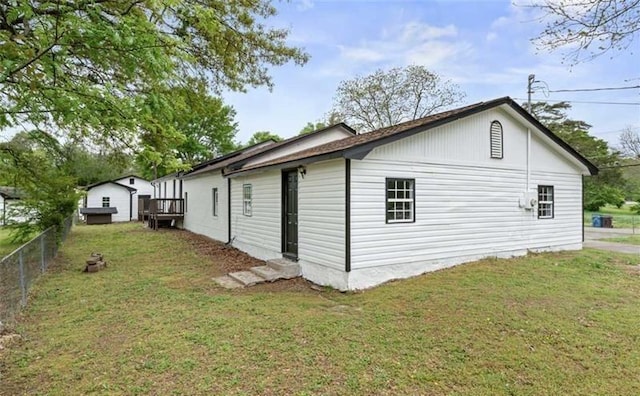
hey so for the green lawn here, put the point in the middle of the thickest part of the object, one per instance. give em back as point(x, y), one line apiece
point(154, 323)
point(6, 246)
point(623, 217)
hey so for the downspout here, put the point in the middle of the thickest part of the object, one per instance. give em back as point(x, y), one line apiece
point(528, 159)
point(229, 211)
point(131, 193)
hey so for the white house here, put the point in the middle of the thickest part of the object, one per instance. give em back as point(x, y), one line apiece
point(9, 198)
point(120, 194)
point(485, 180)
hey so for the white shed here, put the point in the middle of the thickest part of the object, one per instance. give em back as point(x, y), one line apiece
point(9, 208)
point(143, 187)
point(109, 194)
point(485, 180)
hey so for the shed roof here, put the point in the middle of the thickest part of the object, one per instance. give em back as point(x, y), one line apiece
point(90, 186)
point(359, 146)
point(91, 211)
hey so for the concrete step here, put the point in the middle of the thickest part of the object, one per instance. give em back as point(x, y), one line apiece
point(247, 278)
point(227, 282)
point(289, 269)
point(267, 273)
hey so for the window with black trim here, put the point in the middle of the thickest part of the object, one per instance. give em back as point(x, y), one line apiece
point(186, 202)
point(214, 201)
point(545, 202)
point(400, 200)
point(496, 140)
point(106, 202)
point(132, 180)
point(246, 200)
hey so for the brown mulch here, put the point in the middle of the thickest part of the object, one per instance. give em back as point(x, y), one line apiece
point(229, 259)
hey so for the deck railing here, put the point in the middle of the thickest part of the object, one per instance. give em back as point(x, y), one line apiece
point(165, 209)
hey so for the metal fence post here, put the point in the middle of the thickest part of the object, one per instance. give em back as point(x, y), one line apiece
point(43, 255)
point(23, 282)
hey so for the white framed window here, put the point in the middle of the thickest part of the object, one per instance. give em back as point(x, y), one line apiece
point(545, 202)
point(400, 200)
point(214, 202)
point(496, 140)
point(106, 202)
point(246, 199)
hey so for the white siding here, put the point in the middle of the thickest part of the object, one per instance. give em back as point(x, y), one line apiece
point(142, 186)
point(316, 139)
point(321, 218)
point(258, 234)
point(118, 198)
point(199, 216)
point(467, 204)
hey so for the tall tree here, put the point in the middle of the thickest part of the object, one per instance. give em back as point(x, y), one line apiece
point(630, 142)
point(35, 161)
point(312, 126)
point(102, 67)
point(605, 188)
point(592, 26)
point(105, 70)
point(262, 136)
point(389, 97)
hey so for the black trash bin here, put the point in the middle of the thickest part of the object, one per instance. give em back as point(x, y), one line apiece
point(607, 221)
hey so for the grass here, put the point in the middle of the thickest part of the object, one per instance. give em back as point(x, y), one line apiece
point(153, 323)
point(6, 246)
point(623, 217)
point(631, 239)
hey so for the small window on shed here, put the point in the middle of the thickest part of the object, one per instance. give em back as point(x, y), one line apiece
point(496, 140)
point(106, 201)
point(132, 180)
point(214, 201)
point(247, 200)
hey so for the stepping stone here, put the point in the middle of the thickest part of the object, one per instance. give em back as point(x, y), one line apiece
point(289, 269)
point(247, 278)
point(227, 282)
point(267, 273)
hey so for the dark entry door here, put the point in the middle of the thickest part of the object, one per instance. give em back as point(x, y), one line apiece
point(290, 213)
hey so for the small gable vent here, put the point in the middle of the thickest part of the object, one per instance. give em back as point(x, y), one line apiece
point(496, 140)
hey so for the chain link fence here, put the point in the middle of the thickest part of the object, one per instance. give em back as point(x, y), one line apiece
point(21, 268)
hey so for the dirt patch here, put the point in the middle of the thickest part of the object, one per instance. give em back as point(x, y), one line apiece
point(229, 259)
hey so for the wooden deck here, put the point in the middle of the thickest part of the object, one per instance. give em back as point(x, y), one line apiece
point(165, 211)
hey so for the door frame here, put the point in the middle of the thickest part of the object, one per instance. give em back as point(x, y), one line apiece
point(283, 220)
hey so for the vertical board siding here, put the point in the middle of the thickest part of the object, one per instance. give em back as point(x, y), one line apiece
point(321, 217)
point(258, 234)
point(199, 218)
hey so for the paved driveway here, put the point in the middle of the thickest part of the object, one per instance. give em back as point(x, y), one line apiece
point(593, 239)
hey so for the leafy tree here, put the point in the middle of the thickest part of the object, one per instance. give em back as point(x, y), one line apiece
point(262, 136)
point(594, 26)
point(311, 126)
point(108, 70)
point(49, 194)
point(607, 186)
point(389, 97)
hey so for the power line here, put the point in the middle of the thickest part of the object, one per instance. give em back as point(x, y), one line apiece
point(589, 102)
point(595, 89)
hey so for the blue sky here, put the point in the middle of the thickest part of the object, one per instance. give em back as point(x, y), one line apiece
point(483, 46)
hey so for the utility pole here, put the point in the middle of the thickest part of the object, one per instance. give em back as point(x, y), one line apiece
point(532, 79)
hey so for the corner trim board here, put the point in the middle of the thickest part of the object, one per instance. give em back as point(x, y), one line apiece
point(347, 215)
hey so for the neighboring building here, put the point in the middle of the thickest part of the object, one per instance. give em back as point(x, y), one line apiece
point(485, 180)
point(120, 195)
point(9, 198)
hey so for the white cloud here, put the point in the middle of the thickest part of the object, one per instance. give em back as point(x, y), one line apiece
point(491, 36)
point(303, 5)
point(409, 43)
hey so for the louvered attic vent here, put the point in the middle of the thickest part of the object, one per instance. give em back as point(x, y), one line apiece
point(496, 140)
